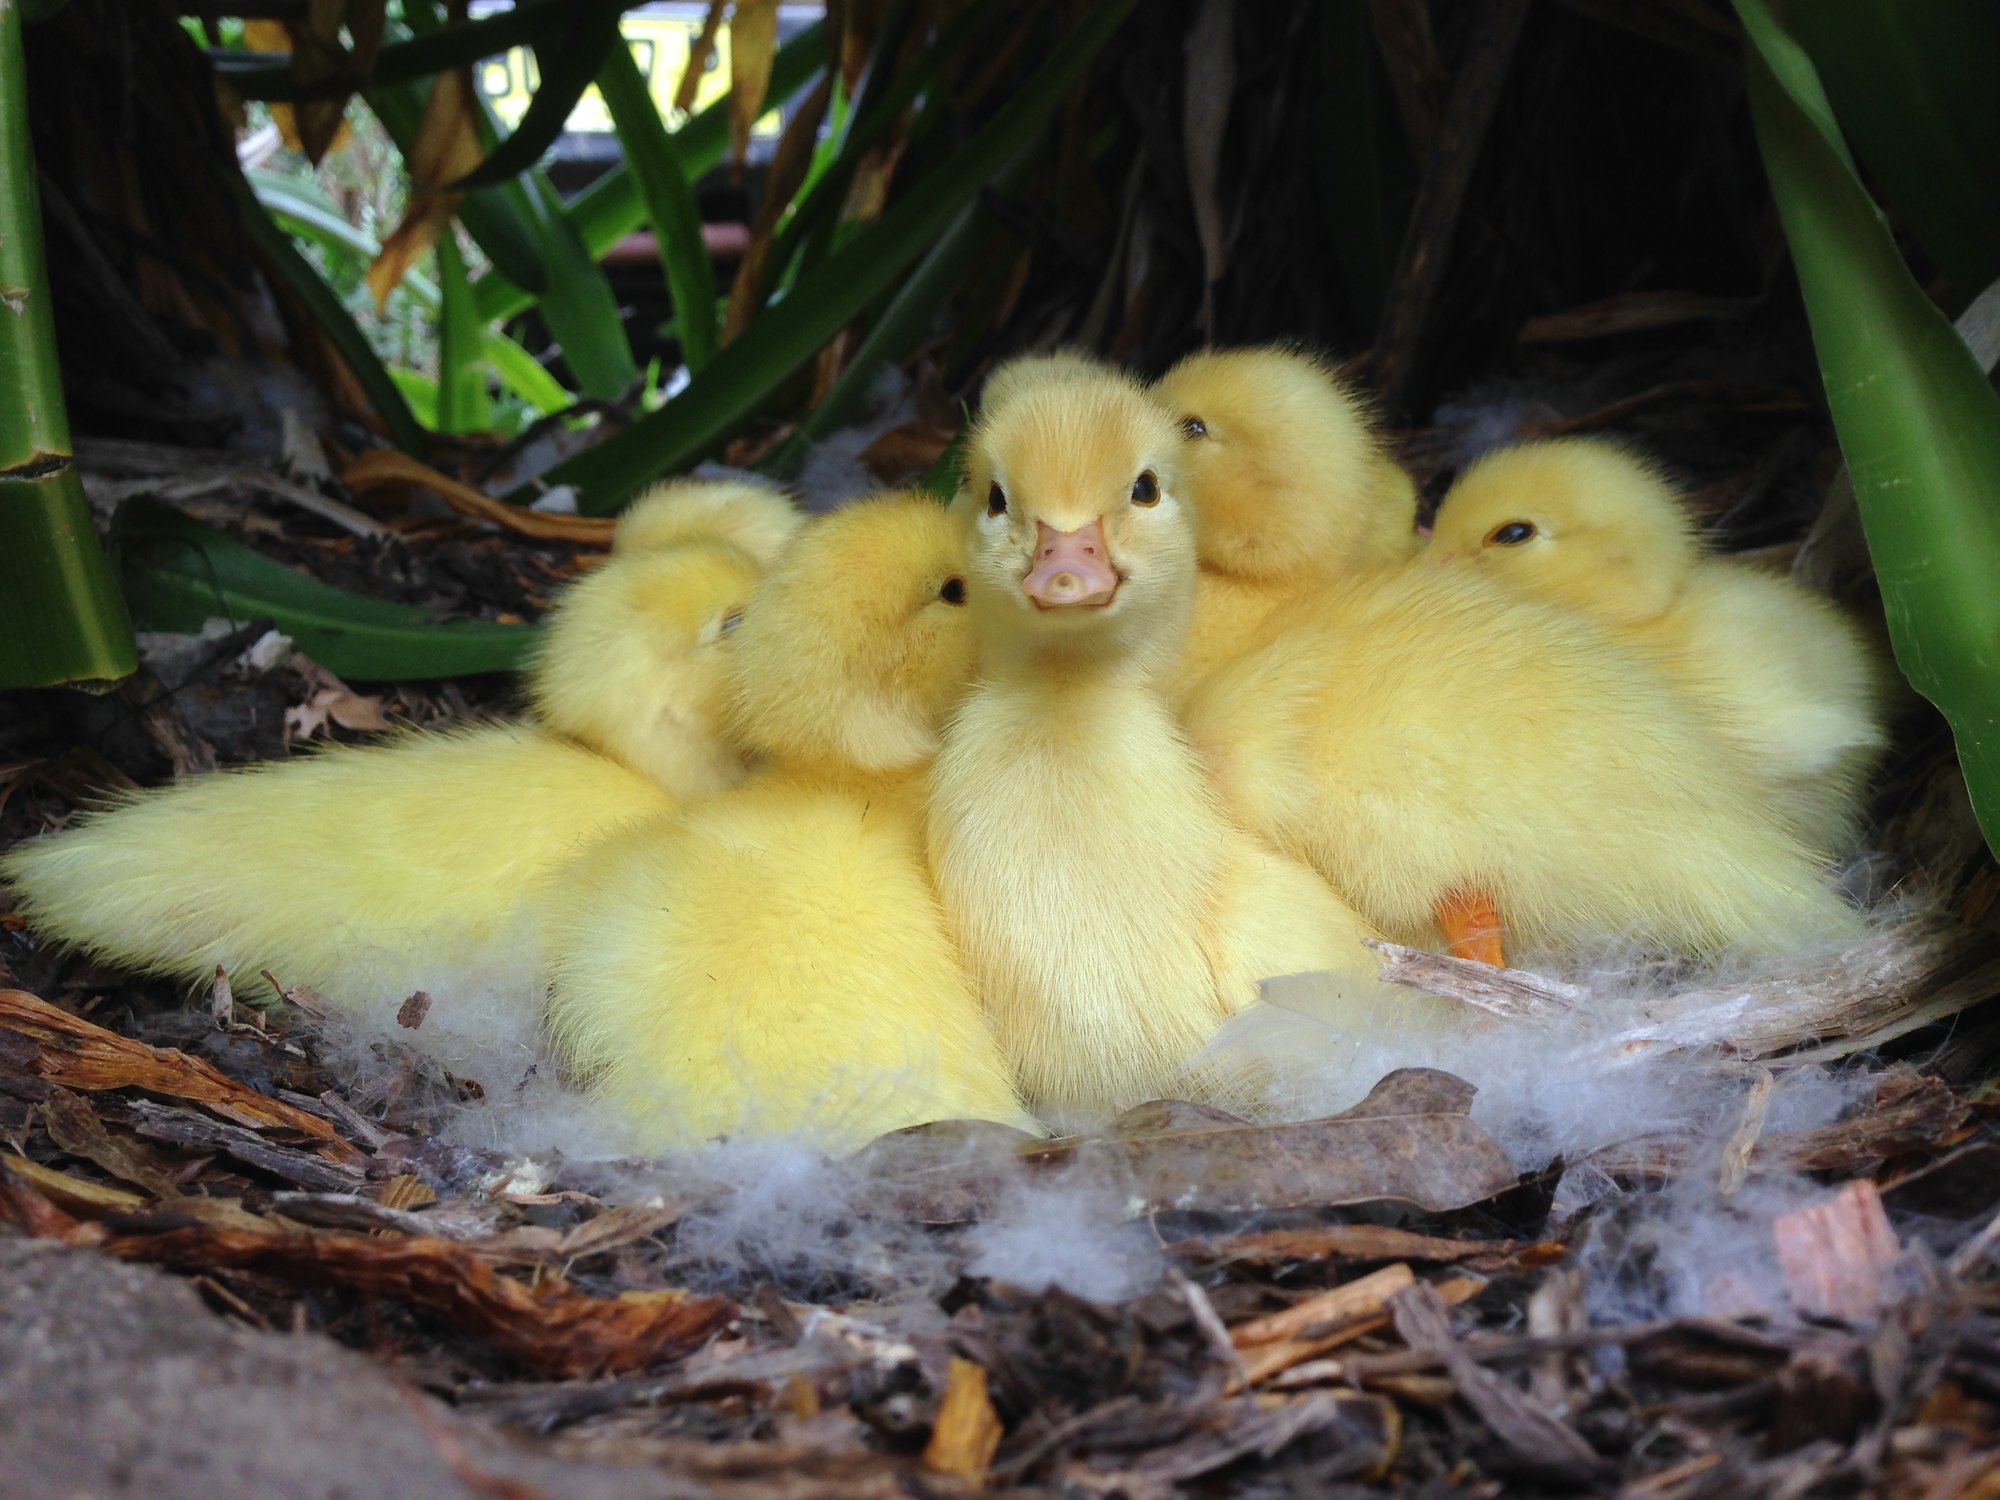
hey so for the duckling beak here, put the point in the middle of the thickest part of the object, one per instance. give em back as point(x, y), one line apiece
point(1072, 568)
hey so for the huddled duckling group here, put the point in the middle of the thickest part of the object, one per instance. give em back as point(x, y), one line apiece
point(999, 810)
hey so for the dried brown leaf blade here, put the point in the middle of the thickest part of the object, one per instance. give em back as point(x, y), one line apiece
point(753, 42)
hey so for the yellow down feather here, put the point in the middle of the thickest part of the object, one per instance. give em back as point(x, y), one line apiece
point(1778, 669)
point(775, 961)
point(1110, 912)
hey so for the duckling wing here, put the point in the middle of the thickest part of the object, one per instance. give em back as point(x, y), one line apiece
point(366, 873)
point(774, 963)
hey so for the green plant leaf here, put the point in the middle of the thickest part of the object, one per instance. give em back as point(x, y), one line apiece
point(784, 337)
point(281, 257)
point(1918, 420)
point(265, 76)
point(463, 404)
point(900, 327)
point(420, 391)
point(524, 375)
point(303, 214)
point(578, 305)
point(611, 207)
point(571, 60)
point(1913, 87)
point(179, 574)
point(655, 162)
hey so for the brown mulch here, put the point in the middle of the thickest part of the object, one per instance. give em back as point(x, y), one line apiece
point(1368, 1304)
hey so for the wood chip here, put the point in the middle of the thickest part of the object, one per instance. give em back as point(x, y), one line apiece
point(968, 1430)
point(1538, 1442)
point(82, 1056)
point(1833, 1254)
point(1517, 994)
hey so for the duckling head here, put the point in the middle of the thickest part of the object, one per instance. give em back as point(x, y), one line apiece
point(758, 520)
point(629, 662)
point(1078, 541)
point(856, 646)
point(1583, 521)
point(1287, 474)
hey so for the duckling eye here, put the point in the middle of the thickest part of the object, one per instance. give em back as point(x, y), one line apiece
point(953, 591)
point(1146, 489)
point(730, 621)
point(996, 501)
point(1194, 427)
point(1511, 534)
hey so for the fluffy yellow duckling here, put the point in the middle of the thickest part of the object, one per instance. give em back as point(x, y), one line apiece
point(1778, 669)
point(1110, 913)
point(1291, 486)
point(370, 872)
point(775, 961)
point(1452, 755)
point(629, 665)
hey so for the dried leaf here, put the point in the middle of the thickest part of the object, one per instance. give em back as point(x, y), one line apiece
point(382, 468)
point(549, 1326)
point(1410, 1140)
point(788, 169)
point(968, 1430)
point(753, 41)
point(699, 52)
point(74, 1126)
point(333, 701)
point(88, 1058)
point(446, 148)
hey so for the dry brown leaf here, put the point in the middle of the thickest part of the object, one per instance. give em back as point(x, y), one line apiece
point(968, 1430)
point(446, 148)
point(753, 41)
point(82, 1056)
point(1411, 1140)
point(382, 468)
point(699, 52)
point(550, 1325)
point(337, 705)
point(788, 169)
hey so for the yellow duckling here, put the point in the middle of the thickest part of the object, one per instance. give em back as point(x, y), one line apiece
point(1453, 755)
point(775, 961)
point(370, 872)
point(1110, 913)
point(629, 664)
point(1777, 668)
point(1292, 490)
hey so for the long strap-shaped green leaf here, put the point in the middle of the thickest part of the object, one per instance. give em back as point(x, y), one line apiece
point(179, 574)
point(1917, 418)
point(566, 67)
point(655, 161)
point(786, 336)
point(611, 207)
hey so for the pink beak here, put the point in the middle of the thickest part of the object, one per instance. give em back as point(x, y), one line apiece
point(1072, 568)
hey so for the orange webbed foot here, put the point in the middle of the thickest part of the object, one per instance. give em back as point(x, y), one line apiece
point(1472, 926)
